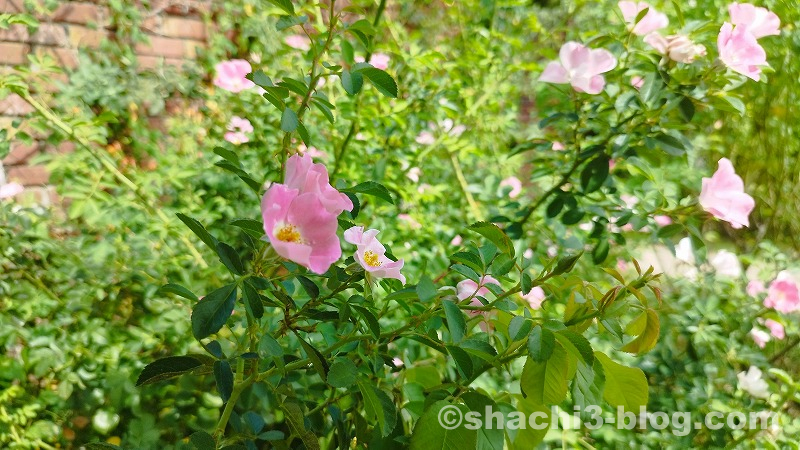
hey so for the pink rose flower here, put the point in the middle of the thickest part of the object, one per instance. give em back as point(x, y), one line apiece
point(723, 196)
point(457, 240)
point(380, 61)
point(412, 222)
point(230, 75)
point(467, 288)
point(397, 362)
point(677, 47)
point(371, 254)
point(739, 51)
point(413, 174)
point(306, 176)
point(775, 329)
point(535, 297)
point(662, 221)
point(312, 151)
point(298, 41)
point(581, 67)
point(9, 190)
point(514, 184)
point(425, 138)
point(783, 294)
point(300, 228)
point(237, 130)
point(637, 82)
point(558, 146)
point(652, 20)
point(760, 337)
point(755, 287)
point(760, 21)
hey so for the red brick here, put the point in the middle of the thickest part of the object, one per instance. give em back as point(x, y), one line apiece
point(166, 47)
point(153, 62)
point(28, 175)
point(13, 53)
point(14, 105)
point(80, 13)
point(82, 37)
point(44, 195)
point(20, 153)
point(46, 34)
point(176, 27)
point(11, 6)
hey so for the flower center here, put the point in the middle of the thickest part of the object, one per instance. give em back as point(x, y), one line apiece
point(288, 233)
point(371, 258)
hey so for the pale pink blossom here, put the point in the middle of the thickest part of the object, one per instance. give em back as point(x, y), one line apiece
point(739, 51)
point(760, 337)
point(468, 288)
point(312, 151)
point(558, 146)
point(629, 200)
point(238, 128)
point(452, 129)
point(457, 240)
point(677, 47)
point(637, 82)
point(306, 176)
point(723, 196)
point(377, 60)
point(515, 184)
point(535, 297)
point(413, 174)
point(425, 138)
point(412, 222)
point(371, 254)
point(760, 21)
point(397, 362)
point(783, 294)
point(726, 263)
point(528, 253)
point(652, 20)
point(662, 221)
point(231, 75)
point(298, 41)
point(622, 265)
point(752, 382)
point(581, 67)
point(9, 190)
point(422, 188)
point(300, 228)
point(755, 287)
point(775, 329)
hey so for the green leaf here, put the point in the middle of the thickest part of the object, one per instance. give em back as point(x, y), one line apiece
point(493, 233)
point(326, 111)
point(600, 251)
point(462, 360)
point(198, 229)
point(343, 373)
point(566, 263)
point(572, 216)
point(317, 359)
point(382, 81)
point(289, 120)
point(488, 438)
point(372, 188)
point(576, 344)
point(260, 78)
point(545, 383)
point(647, 327)
point(519, 328)
point(624, 386)
point(455, 320)
point(587, 389)
point(285, 5)
point(229, 257)
point(594, 174)
point(370, 319)
point(669, 144)
point(379, 406)
point(686, 107)
point(289, 21)
point(269, 347)
point(223, 375)
point(352, 81)
point(170, 367)
point(101, 446)
point(296, 419)
point(177, 289)
point(426, 290)
point(229, 156)
point(529, 437)
point(211, 313)
point(252, 300)
point(541, 343)
point(202, 441)
point(429, 434)
point(470, 259)
point(309, 286)
point(670, 230)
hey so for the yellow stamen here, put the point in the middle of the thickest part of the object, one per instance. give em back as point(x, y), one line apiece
point(288, 233)
point(371, 258)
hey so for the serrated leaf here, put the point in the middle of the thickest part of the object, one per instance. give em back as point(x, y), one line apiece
point(289, 120)
point(223, 375)
point(426, 290)
point(546, 382)
point(170, 367)
point(343, 373)
point(379, 406)
point(351, 81)
point(372, 188)
point(252, 300)
point(624, 386)
point(455, 320)
point(494, 234)
point(211, 313)
point(541, 343)
point(382, 81)
point(317, 359)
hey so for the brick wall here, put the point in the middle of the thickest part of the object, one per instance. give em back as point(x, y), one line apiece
point(175, 29)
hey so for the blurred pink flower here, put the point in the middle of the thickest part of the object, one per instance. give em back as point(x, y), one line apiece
point(306, 176)
point(514, 184)
point(312, 151)
point(775, 329)
point(236, 137)
point(412, 223)
point(677, 47)
point(755, 287)
point(558, 146)
point(237, 130)
point(760, 21)
point(380, 61)
point(457, 240)
point(467, 288)
point(425, 138)
point(652, 20)
point(413, 174)
point(783, 294)
point(723, 196)
point(726, 263)
point(662, 221)
point(581, 67)
point(637, 82)
point(300, 228)
point(739, 50)
point(452, 129)
point(298, 41)
point(535, 297)
point(760, 337)
point(528, 253)
point(397, 362)
point(629, 200)
point(9, 190)
point(622, 265)
point(230, 75)
point(371, 254)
